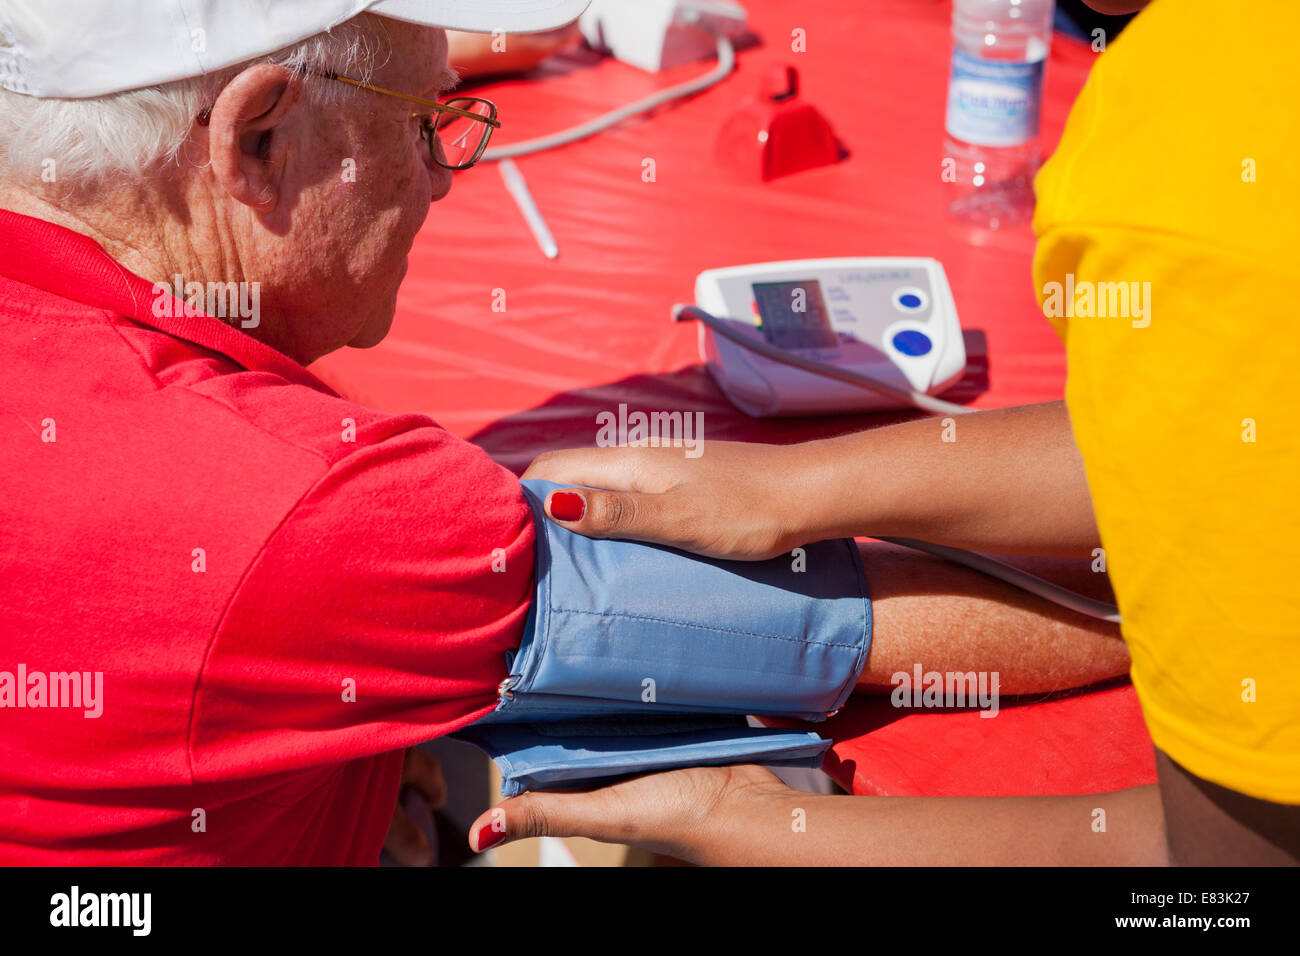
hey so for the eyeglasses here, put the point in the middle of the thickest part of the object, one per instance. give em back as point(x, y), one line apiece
point(462, 126)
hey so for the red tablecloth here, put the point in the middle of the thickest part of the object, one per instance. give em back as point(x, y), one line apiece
point(583, 333)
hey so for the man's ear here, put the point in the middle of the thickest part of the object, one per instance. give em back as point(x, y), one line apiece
point(247, 138)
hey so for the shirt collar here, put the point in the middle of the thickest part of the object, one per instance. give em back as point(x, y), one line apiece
point(66, 263)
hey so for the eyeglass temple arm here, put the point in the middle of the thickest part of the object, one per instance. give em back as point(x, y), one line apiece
point(428, 104)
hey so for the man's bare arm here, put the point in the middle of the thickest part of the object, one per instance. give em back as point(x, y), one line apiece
point(945, 617)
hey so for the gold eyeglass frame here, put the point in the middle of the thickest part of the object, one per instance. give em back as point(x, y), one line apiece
point(428, 127)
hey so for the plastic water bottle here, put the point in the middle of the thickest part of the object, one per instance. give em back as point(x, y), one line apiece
point(995, 89)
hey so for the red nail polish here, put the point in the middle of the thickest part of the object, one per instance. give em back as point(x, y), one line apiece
point(489, 837)
point(568, 506)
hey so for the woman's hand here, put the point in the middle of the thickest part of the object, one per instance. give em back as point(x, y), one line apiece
point(745, 816)
point(687, 814)
point(737, 500)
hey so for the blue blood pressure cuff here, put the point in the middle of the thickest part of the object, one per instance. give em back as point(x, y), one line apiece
point(637, 658)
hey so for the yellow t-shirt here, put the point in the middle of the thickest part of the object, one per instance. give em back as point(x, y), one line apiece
point(1179, 176)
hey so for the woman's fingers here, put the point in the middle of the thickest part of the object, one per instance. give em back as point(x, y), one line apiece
point(616, 514)
point(678, 812)
point(681, 518)
point(725, 504)
point(543, 814)
point(619, 469)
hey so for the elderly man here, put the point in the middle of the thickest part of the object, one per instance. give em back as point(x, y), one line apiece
point(268, 591)
point(232, 597)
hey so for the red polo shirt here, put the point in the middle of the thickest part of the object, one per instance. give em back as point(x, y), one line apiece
point(274, 589)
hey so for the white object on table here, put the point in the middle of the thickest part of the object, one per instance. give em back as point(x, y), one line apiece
point(518, 190)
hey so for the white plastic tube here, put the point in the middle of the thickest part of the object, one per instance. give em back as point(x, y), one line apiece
point(726, 63)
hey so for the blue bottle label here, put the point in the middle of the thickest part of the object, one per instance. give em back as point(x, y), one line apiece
point(993, 102)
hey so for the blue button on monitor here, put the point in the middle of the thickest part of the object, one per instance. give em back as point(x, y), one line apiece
point(910, 299)
point(912, 342)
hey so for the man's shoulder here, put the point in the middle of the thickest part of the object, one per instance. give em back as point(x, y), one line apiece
point(155, 419)
point(317, 422)
point(327, 429)
point(362, 467)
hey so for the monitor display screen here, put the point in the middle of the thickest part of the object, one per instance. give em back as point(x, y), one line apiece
point(793, 314)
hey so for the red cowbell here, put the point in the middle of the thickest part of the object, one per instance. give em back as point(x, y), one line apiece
point(774, 133)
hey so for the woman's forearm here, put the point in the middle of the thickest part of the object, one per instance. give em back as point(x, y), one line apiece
point(1008, 480)
point(1125, 828)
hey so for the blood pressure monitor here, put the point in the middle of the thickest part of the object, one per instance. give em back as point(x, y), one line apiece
point(888, 319)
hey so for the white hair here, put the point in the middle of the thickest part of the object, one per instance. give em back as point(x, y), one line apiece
point(128, 135)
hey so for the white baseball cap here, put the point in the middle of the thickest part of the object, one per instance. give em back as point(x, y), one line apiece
point(80, 48)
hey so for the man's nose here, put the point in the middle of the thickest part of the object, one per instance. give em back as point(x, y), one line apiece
point(439, 176)
point(441, 180)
